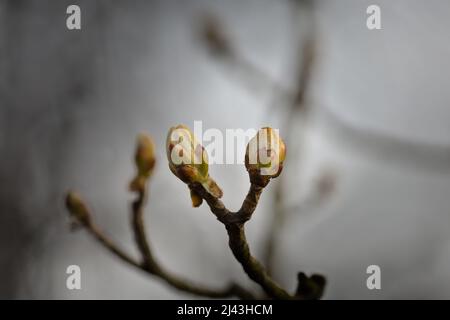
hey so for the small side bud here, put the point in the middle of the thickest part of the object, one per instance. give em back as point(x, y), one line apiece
point(77, 209)
point(264, 156)
point(197, 200)
point(145, 161)
point(188, 160)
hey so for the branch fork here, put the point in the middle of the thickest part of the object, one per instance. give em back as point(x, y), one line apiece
point(202, 188)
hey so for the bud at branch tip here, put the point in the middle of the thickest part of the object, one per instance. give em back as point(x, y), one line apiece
point(188, 160)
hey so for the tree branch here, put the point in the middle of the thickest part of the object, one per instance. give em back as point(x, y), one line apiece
point(139, 230)
point(153, 267)
point(234, 224)
point(254, 269)
point(83, 217)
point(103, 239)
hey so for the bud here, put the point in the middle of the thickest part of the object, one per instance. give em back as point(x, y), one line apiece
point(145, 161)
point(188, 160)
point(264, 156)
point(77, 209)
point(145, 155)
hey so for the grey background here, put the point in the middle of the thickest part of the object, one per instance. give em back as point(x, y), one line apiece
point(72, 102)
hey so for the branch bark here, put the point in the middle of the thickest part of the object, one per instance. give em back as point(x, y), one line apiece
point(149, 263)
point(234, 224)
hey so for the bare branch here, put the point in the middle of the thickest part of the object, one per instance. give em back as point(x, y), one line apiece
point(139, 230)
point(83, 217)
point(153, 267)
point(234, 224)
point(99, 235)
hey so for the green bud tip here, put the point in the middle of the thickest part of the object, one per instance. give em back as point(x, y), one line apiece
point(188, 160)
point(77, 208)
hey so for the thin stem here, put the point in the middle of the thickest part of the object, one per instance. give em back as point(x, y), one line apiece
point(139, 230)
point(234, 224)
point(151, 266)
point(250, 202)
point(183, 285)
point(254, 269)
point(110, 245)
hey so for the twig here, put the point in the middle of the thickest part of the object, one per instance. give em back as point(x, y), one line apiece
point(139, 230)
point(234, 224)
point(219, 43)
point(83, 217)
point(153, 267)
point(98, 234)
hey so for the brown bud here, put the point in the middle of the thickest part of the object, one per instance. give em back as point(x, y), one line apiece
point(145, 155)
point(77, 209)
point(145, 161)
point(197, 200)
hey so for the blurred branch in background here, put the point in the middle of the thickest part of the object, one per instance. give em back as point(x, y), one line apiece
point(219, 43)
point(298, 107)
point(370, 142)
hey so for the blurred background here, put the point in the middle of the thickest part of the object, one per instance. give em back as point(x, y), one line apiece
point(365, 114)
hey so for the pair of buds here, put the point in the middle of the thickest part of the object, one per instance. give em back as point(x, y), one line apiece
point(188, 159)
